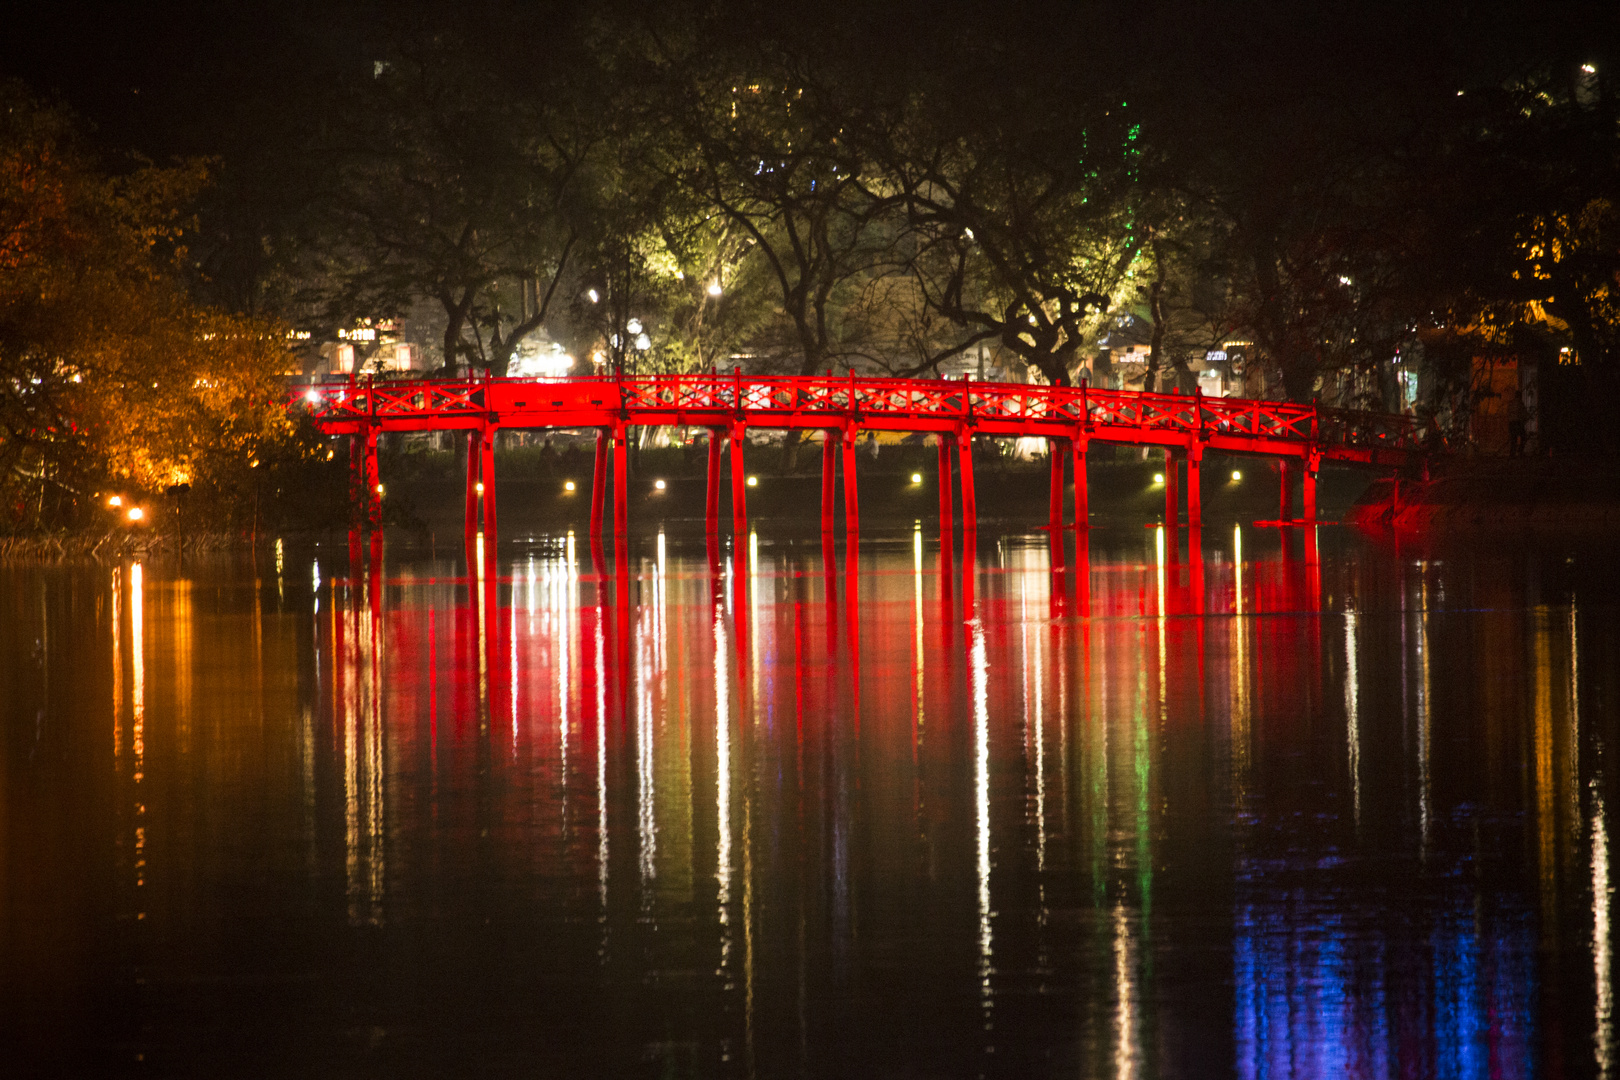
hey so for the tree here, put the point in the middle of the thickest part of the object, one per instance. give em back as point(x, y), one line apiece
point(452, 187)
point(110, 377)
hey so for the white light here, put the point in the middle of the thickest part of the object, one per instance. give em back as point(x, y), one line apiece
point(714, 288)
point(633, 326)
point(1344, 279)
point(313, 397)
point(753, 481)
point(916, 478)
point(658, 485)
point(1158, 478)
point(1236, 475)
point(643, 342)
point(136, 513)
point(592, 293)
point(479, 487)
point(568, 485)
point(379, 489)
point(116, 500)
point(1589, 69)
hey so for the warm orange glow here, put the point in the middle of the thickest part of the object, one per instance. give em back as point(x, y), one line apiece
point(116, 501)
point(136, 513)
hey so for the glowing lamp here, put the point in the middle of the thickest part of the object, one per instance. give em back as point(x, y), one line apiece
point(116, 501)
point(568, 485)
point(136, 513)
point(753, 481)
point(714, 288)
point(313, 397)
point(1236, 475)
point(916, 478)
point(658, 485)
point(479, 487)
point(1158, 478)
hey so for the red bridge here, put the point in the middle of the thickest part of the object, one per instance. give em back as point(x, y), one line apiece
point(1071, 418)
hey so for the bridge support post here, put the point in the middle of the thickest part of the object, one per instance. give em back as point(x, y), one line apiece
point(373, 483)
point(486, 467)
point(852, 502)
point(1285, 499)
point(474, 481)
point(964, 466)
point(711, 491)
point(621, 483)
point(1195, 486)
point(1054, 500)
point(1312, 465)
point(1082, 491)
point(829, 470)
point(598, 485)
point(944, 488)
point(1172, 494)
point(739, 487)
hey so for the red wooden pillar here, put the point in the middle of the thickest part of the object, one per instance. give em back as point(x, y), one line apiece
point(711, 504)
point(486, 466)
point(1172, 496)
point(1195, 486)
point(964, 466)
point(829, 471)
point(373, 483)
point(1054, 501)
point(621, 482)
point(474, 482)
point(1311, 465)
point(599, 483)
point(1082, 491)
point(739, 487)
point(1285, 499)
point(852, 502)
point(944, 486)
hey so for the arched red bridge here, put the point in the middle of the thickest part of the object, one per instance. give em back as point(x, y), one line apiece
point(1301, 436)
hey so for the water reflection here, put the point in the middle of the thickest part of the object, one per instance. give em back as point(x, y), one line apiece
point(1106, 806)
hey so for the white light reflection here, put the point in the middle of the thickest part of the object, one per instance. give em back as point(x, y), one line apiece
point(137, 656)
point(1127, 1054)
point(601, 764)
point(1352, 709)
point(981, 784)
point(722, 789)
point(1237, 567)
point(917, 626)
point(1603, 1010)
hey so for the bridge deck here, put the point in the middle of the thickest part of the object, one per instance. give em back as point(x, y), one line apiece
point(1185, 425)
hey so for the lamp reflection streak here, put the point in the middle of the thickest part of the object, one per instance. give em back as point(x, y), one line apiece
point(1602, 950)
point(1352, 710)
point(981, 789)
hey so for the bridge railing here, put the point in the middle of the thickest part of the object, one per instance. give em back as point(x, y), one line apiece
point(851, 398)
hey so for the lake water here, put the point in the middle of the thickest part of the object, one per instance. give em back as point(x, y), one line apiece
point(1285, 805)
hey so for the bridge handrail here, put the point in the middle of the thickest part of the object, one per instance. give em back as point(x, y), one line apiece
point(968, 402)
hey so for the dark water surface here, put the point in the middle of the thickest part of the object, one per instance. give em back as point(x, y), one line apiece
point(1325, 809)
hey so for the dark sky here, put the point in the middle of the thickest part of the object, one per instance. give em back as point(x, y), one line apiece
point(187, 78)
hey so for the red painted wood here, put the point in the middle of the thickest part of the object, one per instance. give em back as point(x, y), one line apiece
point(599, 483)
point(739, 486)
point(852, 502)
point(474, 471)
point(944, 486)
point(1082, 485)
point(487, 469)
point(621, 483)
point(711, 502)
point(1054, 509)
point(829, 471)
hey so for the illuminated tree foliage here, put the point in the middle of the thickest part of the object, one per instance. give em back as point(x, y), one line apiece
point(111, 380)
